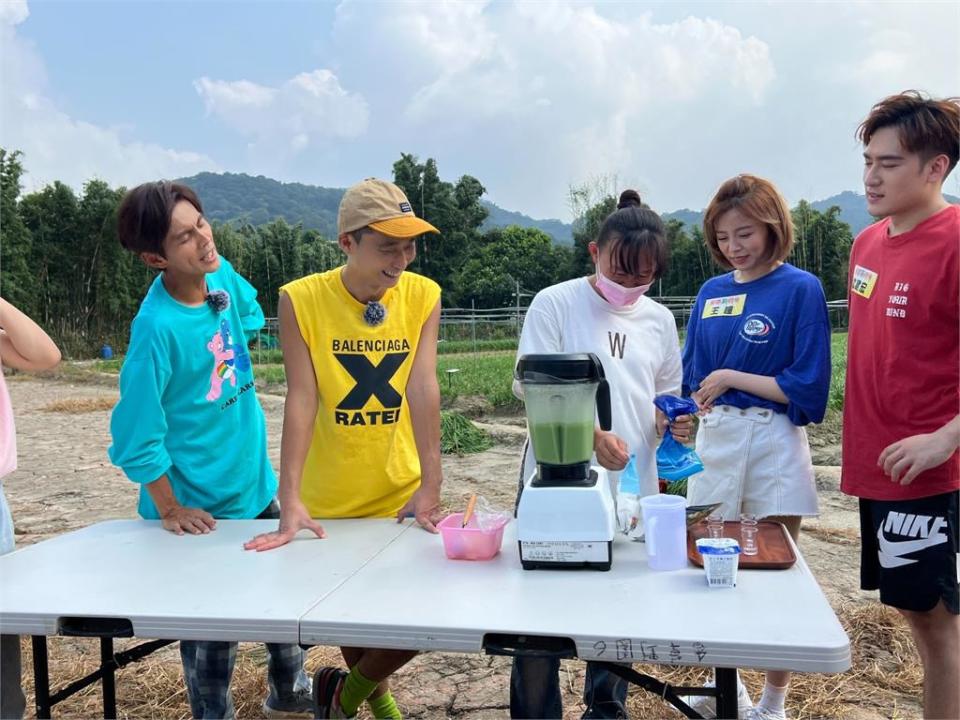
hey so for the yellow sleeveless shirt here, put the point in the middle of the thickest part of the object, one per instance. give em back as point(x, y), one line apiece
point(363, 458)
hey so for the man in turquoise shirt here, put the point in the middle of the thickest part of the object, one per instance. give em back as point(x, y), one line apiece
point(188, 420)
point(188, 426)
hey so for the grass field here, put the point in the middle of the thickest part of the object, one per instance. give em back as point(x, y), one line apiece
point(489, 374)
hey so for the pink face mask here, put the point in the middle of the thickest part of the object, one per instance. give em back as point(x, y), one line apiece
point(618, 295)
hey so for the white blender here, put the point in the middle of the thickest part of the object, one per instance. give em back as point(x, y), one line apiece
point(566, 517)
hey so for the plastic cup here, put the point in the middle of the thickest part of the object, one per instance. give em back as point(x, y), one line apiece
point(721, 556)
point(715, 524)
point(749, 533)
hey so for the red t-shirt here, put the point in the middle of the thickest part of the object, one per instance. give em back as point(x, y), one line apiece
point(903, 352)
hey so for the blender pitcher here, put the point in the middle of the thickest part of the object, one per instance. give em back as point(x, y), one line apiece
point(566, 515)
point(563, 394)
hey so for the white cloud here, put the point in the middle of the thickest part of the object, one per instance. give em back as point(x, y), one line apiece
point(309, 107)
point(890, 60)
point(557, 91)
point(428, 35)
point(13, 12)
point(57, 146)
point(529, 96)
point(502, 61)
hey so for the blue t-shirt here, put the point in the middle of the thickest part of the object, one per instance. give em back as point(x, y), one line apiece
point(776, 326)
point(188, 407)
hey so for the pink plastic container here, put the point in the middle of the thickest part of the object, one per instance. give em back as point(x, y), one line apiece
point(469, 543)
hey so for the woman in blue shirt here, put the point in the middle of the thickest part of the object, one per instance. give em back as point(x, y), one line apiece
point(757, 361)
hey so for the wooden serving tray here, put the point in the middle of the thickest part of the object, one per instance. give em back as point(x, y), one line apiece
point(773, 544)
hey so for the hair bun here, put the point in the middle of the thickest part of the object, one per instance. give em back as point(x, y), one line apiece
point(628, 199)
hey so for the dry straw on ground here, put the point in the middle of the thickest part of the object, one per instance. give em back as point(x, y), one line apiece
point(885, 666)
point(838, 536)
point(153, 687)
point(76, 406)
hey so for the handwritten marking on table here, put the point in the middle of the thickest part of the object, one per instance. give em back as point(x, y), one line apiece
point(648, 652)
point(675, 655)
point(679, 653)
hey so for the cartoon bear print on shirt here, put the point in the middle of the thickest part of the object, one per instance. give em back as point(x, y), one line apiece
point(241, 358)
point(223, 361)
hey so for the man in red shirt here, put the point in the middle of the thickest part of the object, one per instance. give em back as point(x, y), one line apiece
point(901, 414)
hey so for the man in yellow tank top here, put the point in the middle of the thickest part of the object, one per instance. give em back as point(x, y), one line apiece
point(361, 422)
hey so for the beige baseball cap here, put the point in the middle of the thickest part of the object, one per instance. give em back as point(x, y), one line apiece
point(382, 206)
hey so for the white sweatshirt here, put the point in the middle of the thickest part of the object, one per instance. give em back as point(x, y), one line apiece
point(638, 347)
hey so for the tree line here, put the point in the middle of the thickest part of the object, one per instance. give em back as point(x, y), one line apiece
point(61, 262)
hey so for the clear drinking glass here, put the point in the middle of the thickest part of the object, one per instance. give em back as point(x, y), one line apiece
point(748, 534)
point(715, 524)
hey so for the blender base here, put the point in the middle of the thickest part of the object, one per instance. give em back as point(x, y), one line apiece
point(596, 549)
point(567, 526)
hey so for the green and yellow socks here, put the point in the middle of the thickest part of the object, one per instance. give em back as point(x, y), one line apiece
point(357, 688)
point(384, 707)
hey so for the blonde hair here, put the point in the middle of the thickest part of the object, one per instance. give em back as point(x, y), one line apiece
point(759, 200)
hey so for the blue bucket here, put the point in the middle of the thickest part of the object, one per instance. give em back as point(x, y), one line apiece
point(106, 352)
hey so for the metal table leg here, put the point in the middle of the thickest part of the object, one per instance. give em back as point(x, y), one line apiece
point(726, 693)
point(110, 662)
point(108, 680)
point(41, 677)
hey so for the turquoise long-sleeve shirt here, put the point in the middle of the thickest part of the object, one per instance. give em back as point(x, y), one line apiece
point(188, 406)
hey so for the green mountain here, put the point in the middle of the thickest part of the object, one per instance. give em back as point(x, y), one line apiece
point(236, 197)
point(690, 218)
point(853, 210)
point(239, 198)
point(561, 232)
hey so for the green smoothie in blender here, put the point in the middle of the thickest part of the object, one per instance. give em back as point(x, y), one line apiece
point(562, 443)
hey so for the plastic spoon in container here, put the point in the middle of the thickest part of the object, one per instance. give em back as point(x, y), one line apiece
point(468, 513)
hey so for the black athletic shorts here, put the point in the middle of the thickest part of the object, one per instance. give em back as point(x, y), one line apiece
point(909, 551)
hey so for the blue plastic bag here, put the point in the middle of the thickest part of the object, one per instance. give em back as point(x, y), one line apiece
point(628, 496)
point(629, 477)
point(674, 461)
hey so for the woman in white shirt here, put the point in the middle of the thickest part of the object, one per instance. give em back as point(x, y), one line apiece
point(636, 340)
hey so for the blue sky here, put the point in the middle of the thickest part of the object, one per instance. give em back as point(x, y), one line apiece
point(530, 97)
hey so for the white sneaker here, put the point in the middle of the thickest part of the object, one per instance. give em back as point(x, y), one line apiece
point(706, 705)
point(759, 712)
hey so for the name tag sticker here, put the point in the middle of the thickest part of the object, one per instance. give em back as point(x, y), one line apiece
point(864, 280)
point(729, 306)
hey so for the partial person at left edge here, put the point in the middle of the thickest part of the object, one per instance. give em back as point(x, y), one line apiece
point(23, 346)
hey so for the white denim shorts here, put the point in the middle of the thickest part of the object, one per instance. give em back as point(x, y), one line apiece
point(755, 461)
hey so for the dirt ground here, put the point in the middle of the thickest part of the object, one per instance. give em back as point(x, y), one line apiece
point(65, 482)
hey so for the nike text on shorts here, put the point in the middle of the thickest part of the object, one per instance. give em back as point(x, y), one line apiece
point(909, 551)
